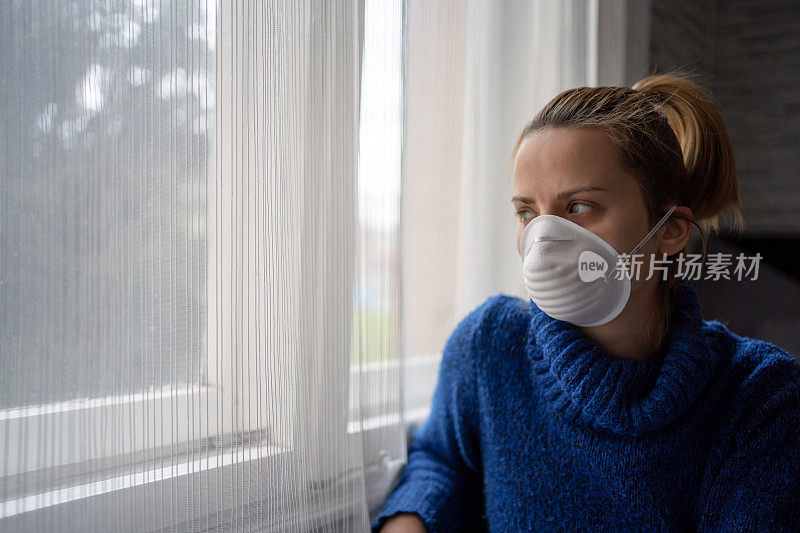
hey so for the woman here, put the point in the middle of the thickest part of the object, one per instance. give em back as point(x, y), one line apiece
point(612, 403)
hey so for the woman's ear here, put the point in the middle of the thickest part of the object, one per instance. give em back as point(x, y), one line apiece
point(677, 231)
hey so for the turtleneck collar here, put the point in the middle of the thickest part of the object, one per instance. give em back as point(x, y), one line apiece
point(623, 395)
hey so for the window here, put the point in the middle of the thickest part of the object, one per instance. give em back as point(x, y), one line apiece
point(109, 114)
point(149, 291)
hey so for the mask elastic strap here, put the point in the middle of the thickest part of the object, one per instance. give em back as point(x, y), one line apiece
point(655, 228)
point(646, 238)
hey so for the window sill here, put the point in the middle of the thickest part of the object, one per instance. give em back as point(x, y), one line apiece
point(145, 488)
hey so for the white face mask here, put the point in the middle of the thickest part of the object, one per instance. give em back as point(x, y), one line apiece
point(568, 270)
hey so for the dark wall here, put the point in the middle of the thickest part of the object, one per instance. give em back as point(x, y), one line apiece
point(747, 54)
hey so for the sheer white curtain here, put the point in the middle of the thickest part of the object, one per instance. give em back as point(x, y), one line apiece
point(199, 297)
point(219, 310)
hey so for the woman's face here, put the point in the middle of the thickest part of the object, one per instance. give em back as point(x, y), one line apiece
point(575, 173)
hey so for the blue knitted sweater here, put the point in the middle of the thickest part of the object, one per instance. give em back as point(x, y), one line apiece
point(534, 427)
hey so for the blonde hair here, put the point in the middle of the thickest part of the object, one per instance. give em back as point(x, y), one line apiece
point(672, 138)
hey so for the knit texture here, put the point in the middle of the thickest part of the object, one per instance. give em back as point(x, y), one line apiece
point(534, 427)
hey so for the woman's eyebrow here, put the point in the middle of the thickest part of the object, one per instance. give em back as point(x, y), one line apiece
point(562, 195)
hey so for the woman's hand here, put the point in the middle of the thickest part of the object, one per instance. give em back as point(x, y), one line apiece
point(404, 523)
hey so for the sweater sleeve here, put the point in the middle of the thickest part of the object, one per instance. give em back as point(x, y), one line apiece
point(442, 481)
point(757, 487)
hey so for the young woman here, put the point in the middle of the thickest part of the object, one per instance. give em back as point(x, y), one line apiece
point(608, 401)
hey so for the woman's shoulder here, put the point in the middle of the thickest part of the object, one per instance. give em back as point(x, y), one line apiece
point(500, 319)
point(505, 315)
point(508, 306)
point(498, 308)
point(764, 381)
point(753, 359)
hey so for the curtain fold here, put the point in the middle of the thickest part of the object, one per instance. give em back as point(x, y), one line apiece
point(199, 264)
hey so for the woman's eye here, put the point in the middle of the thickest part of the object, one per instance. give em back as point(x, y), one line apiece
point(524, 215)
point(586, 207)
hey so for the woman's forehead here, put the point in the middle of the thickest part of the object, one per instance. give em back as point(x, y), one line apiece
point(552, 160)
point(578, 149)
